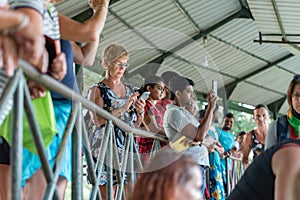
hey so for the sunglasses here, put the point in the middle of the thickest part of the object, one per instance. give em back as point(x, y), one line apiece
point(118, 64)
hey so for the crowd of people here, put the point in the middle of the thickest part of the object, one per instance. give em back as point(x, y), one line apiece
point(195, 161)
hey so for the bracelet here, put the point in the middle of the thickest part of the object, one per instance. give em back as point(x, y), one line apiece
point(18, 27)
point(99, 6)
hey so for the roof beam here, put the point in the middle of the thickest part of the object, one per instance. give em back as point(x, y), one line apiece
point(275, 106)
point(187, 14)
point(280, 24)
point(234, 106)
point(230, 87)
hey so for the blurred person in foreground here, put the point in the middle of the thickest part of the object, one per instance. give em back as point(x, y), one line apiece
point(21, 36)
point(169, 176)
point(70, 32)
point(85, 54)
point(21, 39)
point(272, 175)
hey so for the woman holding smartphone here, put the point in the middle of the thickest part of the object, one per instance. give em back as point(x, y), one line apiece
point(153, 119)
point(118, 98)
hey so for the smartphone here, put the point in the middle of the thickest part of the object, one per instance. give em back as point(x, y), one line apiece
point(214, 86)
point(145, 95)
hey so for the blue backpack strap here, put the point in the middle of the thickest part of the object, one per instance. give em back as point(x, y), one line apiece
point(282, 128)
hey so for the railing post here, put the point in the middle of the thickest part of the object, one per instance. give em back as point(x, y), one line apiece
point(55, 86)
point(90, 165)
point(227, 176)
point(131, 172)
point(8, 92)
point(116, 162)
point(109, 164)
point(77, 159)
point(38, 141)
point(124, 164)
point(155, 147)
point(64, 142)
point(17, 142)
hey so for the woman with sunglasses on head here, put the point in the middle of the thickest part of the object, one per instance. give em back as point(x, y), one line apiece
point(287, 126)
point(118, 98)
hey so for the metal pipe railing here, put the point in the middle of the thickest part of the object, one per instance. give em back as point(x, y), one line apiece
point(77, 158)
point(89, 160)
point(79, 137)
point(8, 91)
point(234, 174)
point(17, 138)
point(124, 164)
point(56, 86)
point(38, 140)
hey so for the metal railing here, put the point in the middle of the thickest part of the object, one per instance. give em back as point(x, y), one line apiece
point(130, 162)
point(234, 173)
point(76, 130)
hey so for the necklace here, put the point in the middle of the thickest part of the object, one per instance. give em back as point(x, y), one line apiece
point(294, 122)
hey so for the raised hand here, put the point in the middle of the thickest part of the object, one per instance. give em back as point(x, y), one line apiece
point(96, 4)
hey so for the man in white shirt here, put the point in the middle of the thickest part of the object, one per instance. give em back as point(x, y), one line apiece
point(180, 123)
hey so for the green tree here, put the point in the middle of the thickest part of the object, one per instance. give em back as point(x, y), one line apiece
point(89, 78)
point(242, 121)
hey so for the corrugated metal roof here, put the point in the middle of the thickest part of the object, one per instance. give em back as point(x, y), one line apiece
point(206, 13)
point(153, 29)
point(279, 78)
point(253, 95)
point(241, 33)
point(292, 64)
point(269, 17)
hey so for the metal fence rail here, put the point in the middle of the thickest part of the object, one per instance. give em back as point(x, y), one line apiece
point(76, 130)
point(234, 174)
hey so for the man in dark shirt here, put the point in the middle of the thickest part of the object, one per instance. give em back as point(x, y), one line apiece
point(271, 175)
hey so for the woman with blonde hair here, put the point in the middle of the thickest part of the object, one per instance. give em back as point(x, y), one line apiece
point(118, 98)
